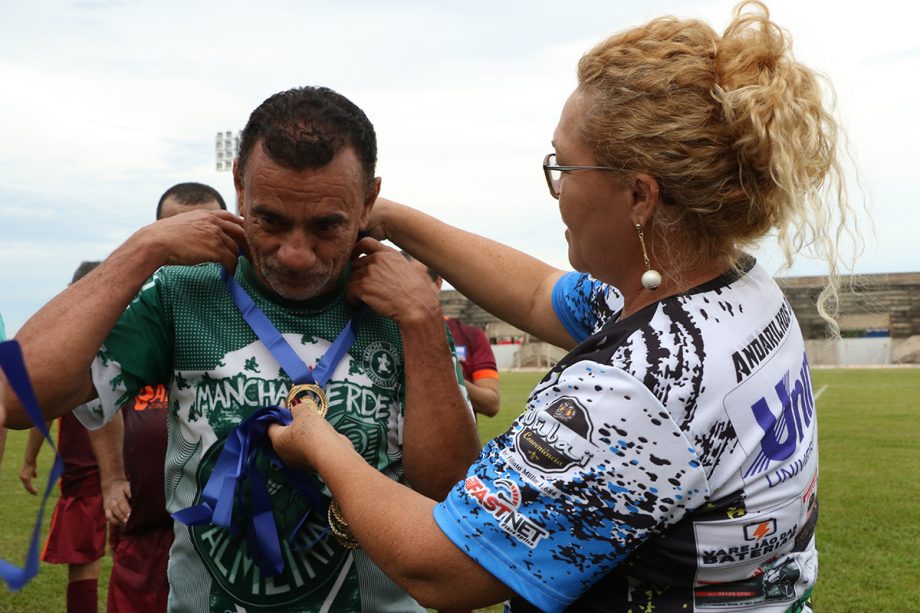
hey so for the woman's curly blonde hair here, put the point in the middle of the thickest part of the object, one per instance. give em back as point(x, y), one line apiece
point(734, 130)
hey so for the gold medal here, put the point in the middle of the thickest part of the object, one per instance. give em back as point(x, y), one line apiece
point(308, 392)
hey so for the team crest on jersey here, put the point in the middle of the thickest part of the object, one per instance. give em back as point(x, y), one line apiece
point(556, 438)
point(312, 560)
point(503, 505)
point(380, 364)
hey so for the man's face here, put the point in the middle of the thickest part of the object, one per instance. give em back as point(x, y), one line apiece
point(172, 207)
point(302, 224)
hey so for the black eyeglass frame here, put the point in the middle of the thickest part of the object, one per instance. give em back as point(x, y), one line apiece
point(547, 168)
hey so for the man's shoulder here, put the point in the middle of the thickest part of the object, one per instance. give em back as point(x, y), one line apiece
point(174, 283)
point(207, 273)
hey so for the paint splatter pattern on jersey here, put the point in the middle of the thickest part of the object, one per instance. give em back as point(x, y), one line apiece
point(658, 464)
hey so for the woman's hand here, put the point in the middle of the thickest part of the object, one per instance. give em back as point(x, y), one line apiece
point(308, 439)
point(376, 223)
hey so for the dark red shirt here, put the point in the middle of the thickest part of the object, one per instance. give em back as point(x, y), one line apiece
point(473, 351)
point(145, 458)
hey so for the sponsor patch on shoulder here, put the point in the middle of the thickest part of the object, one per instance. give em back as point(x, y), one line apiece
point(502, 505)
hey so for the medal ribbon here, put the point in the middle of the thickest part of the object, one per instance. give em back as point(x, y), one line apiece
point(14, 369)
point(236, 464)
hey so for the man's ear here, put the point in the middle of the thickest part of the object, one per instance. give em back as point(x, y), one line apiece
point(645, 198)
point(369, 201)
point(238, 186)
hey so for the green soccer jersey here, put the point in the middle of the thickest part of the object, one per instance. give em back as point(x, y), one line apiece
point(184, 330)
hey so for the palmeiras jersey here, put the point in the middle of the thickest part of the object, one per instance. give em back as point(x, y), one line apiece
point(668, 463)
point(184, 330)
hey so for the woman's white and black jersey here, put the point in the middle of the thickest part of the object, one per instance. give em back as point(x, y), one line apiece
point(668, 463)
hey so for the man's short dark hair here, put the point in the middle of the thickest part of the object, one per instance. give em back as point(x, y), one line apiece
point(191, 194)
point(306, 127)
point(82, 270)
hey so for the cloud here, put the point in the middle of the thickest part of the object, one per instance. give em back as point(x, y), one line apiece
point(108, 103)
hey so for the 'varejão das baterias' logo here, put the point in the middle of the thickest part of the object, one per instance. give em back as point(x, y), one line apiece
point(556, 438)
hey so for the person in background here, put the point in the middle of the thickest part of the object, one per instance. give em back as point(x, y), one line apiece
point(474, 353)
point(669, 462)
point(2, 386)
point(78, 528)
point(131, 452)
point(2, 394)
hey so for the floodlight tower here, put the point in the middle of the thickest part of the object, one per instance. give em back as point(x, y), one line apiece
point(226, 148)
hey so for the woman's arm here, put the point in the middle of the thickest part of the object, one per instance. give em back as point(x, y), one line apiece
point(504, 281)
point(393, 524)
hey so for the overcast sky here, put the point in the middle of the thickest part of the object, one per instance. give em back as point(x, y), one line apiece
point(105, 104)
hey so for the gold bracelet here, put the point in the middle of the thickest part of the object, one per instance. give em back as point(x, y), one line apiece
point(339, 527)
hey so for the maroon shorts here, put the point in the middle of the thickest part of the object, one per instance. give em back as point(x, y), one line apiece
point(77, 533)
point(138, 581)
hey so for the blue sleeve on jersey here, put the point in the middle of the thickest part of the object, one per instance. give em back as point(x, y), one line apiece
point(583, 304)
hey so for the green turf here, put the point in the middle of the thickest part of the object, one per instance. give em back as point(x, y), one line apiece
point(868, 533)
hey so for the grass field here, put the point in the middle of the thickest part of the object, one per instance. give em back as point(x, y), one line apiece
point(868, 534)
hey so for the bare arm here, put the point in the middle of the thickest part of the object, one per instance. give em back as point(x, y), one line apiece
point(393, 524)
point(485, 396)
point(504, 281)
point(60, 341)
point(29, 468)
point(108, 445)
point(440, 439)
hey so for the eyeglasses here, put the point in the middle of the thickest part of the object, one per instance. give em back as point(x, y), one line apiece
point(554, 172)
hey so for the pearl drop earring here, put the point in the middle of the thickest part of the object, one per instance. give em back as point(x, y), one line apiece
point(651, 279)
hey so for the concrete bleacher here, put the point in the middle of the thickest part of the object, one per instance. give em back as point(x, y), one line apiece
point(879, 317)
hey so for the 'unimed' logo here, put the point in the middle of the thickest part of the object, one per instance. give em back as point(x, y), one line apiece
point(784, 431)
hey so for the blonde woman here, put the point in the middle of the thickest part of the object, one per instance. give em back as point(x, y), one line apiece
point(669, 462)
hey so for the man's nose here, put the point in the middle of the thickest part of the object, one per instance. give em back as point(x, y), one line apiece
point(297, 253)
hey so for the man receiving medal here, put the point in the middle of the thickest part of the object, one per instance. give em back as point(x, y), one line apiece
point(159, 309)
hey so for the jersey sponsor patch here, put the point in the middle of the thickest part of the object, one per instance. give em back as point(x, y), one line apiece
point(503, 506)
point(776, 427)
point(727, 545)
point(557, 437)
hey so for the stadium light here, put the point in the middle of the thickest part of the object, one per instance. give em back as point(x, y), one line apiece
point(226, 148)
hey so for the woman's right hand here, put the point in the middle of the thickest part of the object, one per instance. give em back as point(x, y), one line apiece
point(308, 439)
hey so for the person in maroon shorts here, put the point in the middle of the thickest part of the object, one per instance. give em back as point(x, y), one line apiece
point(77, 533)
point(136, 505)
point(131, 450)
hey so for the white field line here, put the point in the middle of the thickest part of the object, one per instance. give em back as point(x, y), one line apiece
point(820, 391)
